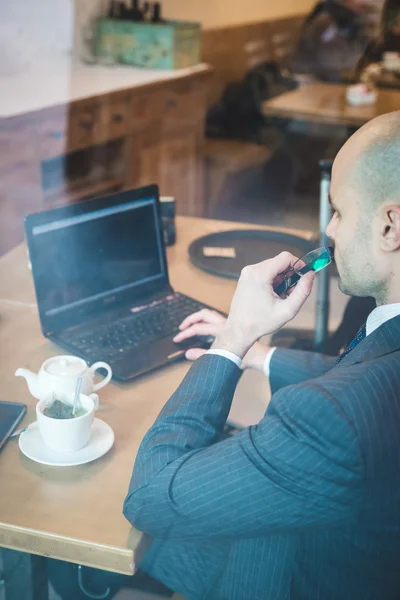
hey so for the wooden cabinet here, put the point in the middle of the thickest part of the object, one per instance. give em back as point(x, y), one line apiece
point(146, 155)
point(128, 138)
point(115, 116)
point(174, 161)
point(167, 143)
point(180, 171)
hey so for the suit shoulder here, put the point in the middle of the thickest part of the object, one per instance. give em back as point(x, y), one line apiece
point(369, 395)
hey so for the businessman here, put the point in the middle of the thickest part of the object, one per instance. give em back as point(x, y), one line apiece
point(306, 504)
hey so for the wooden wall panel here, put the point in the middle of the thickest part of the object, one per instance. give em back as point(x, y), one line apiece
point(232, 51)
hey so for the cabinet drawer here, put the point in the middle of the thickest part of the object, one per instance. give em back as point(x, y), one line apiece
point(67, 129)
point(182, 108)
point(145, 108)
point(115, 117)
point(84, 127)
point(177, 106)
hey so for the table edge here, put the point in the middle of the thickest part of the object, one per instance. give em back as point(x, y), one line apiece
point(117, 560)
point(270, 111)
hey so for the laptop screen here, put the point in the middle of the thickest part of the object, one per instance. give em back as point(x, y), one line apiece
point(81, 259)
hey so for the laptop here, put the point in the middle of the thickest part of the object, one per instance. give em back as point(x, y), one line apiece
point(102, 286)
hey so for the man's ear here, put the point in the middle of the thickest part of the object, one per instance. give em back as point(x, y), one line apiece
point(390, 228)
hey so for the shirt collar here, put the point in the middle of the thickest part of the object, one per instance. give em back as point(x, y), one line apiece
point(380, 315)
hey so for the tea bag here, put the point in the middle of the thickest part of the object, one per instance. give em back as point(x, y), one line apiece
point(58, 410)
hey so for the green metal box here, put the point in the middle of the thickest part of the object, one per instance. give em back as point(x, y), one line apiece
point(166, 45)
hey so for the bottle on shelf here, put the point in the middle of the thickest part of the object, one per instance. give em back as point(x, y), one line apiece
point(124, 13)
point(146, 11)
point(157, 15)
point(113, 10)
point(136, 13)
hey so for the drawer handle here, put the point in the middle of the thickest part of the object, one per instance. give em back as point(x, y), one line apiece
point(118, 118)
point(88, 125)
point(57, 135)
point(171, 103)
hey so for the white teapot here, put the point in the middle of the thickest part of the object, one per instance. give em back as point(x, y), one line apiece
point(59, 375)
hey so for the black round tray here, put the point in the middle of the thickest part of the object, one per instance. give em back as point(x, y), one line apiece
point(251, 245)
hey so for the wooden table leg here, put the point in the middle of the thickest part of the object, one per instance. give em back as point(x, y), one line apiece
point(24, 576)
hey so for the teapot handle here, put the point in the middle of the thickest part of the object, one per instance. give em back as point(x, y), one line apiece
point(101, 365)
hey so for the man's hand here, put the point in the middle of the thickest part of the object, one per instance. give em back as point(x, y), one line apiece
point(256, 310)
point(210, 322)
point(204, 322)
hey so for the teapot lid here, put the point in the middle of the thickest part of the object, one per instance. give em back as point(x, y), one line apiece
point(70, 366)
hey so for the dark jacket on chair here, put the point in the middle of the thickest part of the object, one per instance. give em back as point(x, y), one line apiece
point(305, 505)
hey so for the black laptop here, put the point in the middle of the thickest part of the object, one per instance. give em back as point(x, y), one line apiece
point(102, 285)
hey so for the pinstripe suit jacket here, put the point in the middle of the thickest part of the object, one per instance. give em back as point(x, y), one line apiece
point(305, 505)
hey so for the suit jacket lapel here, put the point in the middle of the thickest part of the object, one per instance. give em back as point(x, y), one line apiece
point(384, 340)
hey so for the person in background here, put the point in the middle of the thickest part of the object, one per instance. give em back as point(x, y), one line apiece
point(305, 504)
point(330, 44)
point(387, 40)
point(332, 39)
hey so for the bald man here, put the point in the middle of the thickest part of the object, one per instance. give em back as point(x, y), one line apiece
point(305, 505)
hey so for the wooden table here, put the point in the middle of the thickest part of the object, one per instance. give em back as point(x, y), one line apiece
point(75, 514)
point(386, 79)
point(326, 103)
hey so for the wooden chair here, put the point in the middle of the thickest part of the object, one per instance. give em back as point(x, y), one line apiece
point(232, 51)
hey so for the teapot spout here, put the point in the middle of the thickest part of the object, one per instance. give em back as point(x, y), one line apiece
point(31, 380)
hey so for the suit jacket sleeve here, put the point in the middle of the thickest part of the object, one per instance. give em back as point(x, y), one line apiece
point(289, 367)
point(300, 466)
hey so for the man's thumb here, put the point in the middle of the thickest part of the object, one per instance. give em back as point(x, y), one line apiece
point(195, 353)
point(301, 292)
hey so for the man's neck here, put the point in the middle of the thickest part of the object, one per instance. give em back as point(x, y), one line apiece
point(387, 301)
point(388, 296)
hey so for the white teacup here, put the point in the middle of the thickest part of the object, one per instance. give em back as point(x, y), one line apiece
point(67, 435)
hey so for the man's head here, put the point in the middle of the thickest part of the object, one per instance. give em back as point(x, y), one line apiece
point(365, 197)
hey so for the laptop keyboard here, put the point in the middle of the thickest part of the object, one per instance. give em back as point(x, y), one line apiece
point(147, 324)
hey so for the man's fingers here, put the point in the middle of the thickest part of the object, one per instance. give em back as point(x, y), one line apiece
point(191, 320)
point(194, 353)
point(210, 316)
point(197, 329)
point(268, 270)
point(280, 263)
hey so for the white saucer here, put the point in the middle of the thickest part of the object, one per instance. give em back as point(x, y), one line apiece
point(101, 440)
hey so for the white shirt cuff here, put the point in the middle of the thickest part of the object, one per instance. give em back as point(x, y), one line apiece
point(229, 355)
point(267, 362)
